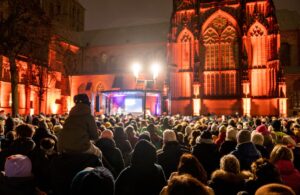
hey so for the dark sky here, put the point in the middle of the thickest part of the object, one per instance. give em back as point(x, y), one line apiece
point(115, 13)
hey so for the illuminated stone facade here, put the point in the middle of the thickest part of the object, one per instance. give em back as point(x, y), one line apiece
point(45, 87)
point(224, 58)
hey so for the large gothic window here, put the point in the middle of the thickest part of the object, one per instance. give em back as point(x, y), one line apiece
point(221, 48)
point(220, 83)
point(185, 43)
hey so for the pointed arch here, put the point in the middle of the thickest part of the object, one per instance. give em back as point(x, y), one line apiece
point(220, 34)
point(185, 49)
point(257, 29)
point(257, 34)
point(220, 14)
point(210, 35)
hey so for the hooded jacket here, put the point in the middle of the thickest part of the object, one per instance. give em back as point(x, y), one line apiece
point(112, 154)
point(247, 154)
point(79, 128)
point(168, 157)
point(290, 176)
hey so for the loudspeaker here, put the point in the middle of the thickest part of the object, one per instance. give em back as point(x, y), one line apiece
point(97, 103)
point(88, 86)
point(31, 104)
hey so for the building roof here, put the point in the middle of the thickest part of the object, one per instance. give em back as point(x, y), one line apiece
point(126, 35)
point(158, 32)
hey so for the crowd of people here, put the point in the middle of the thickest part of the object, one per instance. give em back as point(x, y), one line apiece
point(78, 153)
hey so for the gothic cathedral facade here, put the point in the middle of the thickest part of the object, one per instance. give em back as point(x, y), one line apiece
point(223, 58)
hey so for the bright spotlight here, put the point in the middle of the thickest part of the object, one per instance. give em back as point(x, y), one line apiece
point(155, 69)
point(136, 69)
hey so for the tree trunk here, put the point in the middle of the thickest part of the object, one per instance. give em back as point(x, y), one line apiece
point(14, 86)
point(27, 87)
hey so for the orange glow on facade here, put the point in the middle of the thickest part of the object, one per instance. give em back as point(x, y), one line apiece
point(43, 92)
point(197, 107)
point(231, 79)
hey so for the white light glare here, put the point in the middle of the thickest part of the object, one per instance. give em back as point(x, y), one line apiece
point(136, 69)
point(155, 69)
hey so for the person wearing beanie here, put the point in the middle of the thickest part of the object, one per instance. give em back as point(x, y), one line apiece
point(112, 155)
point(79, 129)
point(230, 142)
point(107, 134)
point(17, 177)
point(245, 151)
point(168, 157)
point(206, 151)
point(143, 176)
point(93, 181)
point(258, 140)
point(262, 129)
point(268, 140)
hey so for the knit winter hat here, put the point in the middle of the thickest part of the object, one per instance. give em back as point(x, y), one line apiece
point(91, 181)
point(205, 135)
point(243, 136)
point(169, 135)
point(262, 129)
point(231, 134)
point(257, 138)
point(82, 98)
point(18, 166)
point(107, 134)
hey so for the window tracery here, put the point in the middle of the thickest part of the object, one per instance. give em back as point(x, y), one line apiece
point(220, 42)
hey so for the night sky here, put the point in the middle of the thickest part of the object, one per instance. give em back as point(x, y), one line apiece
point(115, 13)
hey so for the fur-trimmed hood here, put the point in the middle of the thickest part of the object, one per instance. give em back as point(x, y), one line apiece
point(227, 177)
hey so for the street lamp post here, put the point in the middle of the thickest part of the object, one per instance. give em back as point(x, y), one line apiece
point(155, 68)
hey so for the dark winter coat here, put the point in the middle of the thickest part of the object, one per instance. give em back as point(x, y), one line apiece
point(168, 157)
point(252, 185)
point(263, 151)
point(65, 166)
point(143, 176)
point(22, 146)
point(226, 183)
point(137, 180)
point(17, 185)
point(79, 128)
point(227, 146)
point(246, 153)
point(208, 155)
point(126, 149)
point(112, 154)
point(41, 162)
